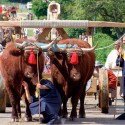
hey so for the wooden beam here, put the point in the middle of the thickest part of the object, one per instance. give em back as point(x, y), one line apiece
point(62, 32)
point(60, 24)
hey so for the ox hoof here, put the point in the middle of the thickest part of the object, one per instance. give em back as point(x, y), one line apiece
point(72, 118)
point(19, 115)
point(82, 116)
point(65, 116)
point(27, 119)
point(15, 120)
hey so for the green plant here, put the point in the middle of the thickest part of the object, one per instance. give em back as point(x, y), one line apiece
point(103, 41)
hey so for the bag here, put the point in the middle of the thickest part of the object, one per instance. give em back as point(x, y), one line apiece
point(119, 61)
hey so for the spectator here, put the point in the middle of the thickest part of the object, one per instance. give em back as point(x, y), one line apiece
point(121, 62)
point(111, 58)
point(36, 32)
point(50, 101)
point(25, 33)
point(13, 12)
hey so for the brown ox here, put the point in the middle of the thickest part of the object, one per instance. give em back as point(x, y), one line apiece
point(71, 79)
point(15, 68)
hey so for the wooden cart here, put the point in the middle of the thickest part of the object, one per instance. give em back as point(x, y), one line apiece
point(99, 86)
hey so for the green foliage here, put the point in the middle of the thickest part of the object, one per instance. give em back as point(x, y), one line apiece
point(3, 1)
point(18, 1)
point(93, 10)
point(39, 8)
point(106, 10)
point(74, 32)
point(103, 41)
point(30, 32)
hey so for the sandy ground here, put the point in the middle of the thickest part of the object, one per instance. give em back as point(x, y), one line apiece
point(93, 115)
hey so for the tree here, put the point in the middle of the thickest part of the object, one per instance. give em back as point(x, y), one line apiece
point(106, 10)
point(105, 42)
point(39, 8)
point(3, 1)
point(18, 1)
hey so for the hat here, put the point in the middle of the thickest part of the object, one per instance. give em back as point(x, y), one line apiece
point(98, 64)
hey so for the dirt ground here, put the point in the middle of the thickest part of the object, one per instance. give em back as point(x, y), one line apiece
point(93, 115)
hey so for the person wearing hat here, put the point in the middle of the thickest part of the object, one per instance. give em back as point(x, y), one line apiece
point(112, 80)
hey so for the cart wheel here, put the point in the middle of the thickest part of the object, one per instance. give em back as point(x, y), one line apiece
point(104, 92)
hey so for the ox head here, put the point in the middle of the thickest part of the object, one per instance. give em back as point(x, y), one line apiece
point(31, 57)
point(70, 59)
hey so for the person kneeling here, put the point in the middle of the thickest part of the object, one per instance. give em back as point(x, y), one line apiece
point(50, 101)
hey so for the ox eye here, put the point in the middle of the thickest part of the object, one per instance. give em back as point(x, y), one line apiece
point(59, 55)
point(68, 56)
point(26, 56)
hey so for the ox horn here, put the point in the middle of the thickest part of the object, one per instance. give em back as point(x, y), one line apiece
point(56, 48)
point(89, 49)
point(49, 45)
point(22, 45)
point(83, 49)
point(18, 45)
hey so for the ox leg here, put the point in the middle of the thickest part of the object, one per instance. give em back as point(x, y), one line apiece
point(12, 95)
point(28, 116)
point(64, 110)
point(74, 102)
point(18, 109)
point(82, 108)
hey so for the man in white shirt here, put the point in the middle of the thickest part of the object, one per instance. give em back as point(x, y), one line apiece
point(111, 58)
point(111, 63)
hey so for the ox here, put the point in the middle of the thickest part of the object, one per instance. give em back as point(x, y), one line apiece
point(71, 77)
point(15, 68)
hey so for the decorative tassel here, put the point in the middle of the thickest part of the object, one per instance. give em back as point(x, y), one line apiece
point(32, 58)
point(74, 58)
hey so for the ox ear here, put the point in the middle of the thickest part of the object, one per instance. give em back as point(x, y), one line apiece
point(16, 52)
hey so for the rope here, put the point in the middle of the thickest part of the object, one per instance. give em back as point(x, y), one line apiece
point(38, 82)
point(110, 44)
point(105, 47)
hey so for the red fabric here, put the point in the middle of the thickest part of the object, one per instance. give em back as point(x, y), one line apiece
point(32, 58)
point(74, 58)
point(112, 79)
point(0, 9)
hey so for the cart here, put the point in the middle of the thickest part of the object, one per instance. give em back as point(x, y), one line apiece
point(99, 86)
